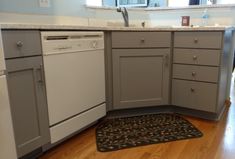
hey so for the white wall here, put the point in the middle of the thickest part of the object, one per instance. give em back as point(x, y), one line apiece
point(68, 12)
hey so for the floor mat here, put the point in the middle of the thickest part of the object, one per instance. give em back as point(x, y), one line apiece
point(127, 132)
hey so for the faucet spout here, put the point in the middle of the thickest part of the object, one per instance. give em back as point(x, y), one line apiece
point(124, 15)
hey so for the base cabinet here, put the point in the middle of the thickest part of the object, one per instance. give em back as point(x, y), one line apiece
point(200, 70)
point(141, 63)
point(26, 89)
point(28, 104)
point(140, 77)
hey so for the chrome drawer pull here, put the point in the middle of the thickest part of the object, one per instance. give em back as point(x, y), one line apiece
point(192, 90)
point(142, 40)
point(19, 44)
point(194, 57)
point(193, 74)
point(195, 40)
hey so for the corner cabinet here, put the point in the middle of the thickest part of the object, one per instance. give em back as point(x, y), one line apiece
point(141, 69)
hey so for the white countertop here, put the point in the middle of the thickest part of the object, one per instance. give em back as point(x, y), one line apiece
point(111, 28)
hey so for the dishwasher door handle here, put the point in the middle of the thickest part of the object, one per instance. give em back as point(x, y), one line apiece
point(64, 48)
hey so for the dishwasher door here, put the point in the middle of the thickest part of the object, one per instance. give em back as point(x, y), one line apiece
point(75, 82)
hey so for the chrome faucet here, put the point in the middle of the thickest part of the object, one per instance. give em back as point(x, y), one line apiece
point(124, 14)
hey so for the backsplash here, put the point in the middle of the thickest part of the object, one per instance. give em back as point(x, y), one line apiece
point(220, 16)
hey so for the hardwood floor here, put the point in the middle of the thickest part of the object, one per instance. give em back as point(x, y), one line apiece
point(218, 142)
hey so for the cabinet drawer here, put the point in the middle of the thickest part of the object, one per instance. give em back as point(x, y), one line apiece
point(194, 95)
point(198, 39)
point(197, 73)
point(198, 57)
point(18, 43)
point(141, 39)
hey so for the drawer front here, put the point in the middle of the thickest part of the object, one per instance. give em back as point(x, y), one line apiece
point(194, 95)
point(141, 39)
point(19, 43)
point(197, 73)
point(197, 56)
point(198, 39)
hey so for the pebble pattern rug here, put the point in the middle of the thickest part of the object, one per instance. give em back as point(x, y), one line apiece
point(127, 132)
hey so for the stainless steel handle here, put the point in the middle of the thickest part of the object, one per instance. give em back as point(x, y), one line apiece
point(19, 44)
point(41, 81)
point(166, 59)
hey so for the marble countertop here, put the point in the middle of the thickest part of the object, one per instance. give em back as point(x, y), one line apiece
point(111, 28)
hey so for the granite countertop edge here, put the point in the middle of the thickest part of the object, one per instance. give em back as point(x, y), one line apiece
point(110, 28)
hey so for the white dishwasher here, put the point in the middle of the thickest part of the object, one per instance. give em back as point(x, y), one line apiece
point(75, 80)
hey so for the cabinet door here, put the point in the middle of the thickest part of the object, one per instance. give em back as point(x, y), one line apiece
point(28, 104)
point(140, 77)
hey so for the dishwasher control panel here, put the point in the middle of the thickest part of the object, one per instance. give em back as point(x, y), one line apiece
point(56, 42)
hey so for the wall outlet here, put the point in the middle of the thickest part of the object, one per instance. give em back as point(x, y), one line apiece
point(44, 3)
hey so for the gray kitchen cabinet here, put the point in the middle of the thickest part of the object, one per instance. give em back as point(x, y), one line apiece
point(200, 70)
point(27, 94)
point(141, 71)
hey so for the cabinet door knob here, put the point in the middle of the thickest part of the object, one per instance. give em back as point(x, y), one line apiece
point(142, 40)
point(19, 43)
point(195, 40)
point(193, 74)
point(192, 90)
point(194, 57)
